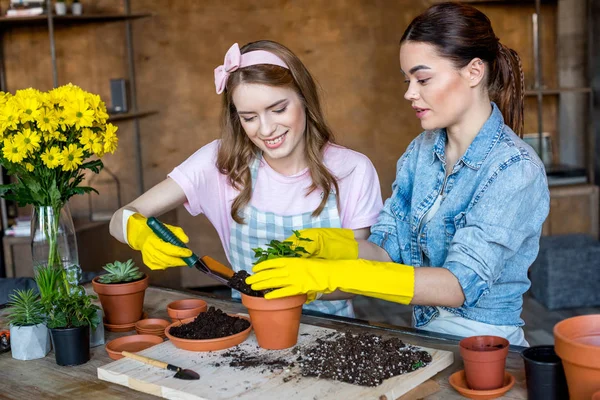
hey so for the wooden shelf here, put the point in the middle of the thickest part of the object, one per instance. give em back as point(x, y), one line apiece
point(68, 19)
point(534, 92)
point(128, 116)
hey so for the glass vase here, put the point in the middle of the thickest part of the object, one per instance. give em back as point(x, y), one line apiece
point(54, 243)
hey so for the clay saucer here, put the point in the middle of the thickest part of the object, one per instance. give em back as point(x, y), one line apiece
point(132, 344)
point(208, 344)
point(459, 382)
point(152, 326)
point(122, 327)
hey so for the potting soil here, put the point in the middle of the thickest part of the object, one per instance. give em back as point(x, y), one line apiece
point(211, 324)
point(238, 282)
point(363, 359)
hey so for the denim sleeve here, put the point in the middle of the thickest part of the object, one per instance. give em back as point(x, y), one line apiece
point(509, 209)
point(384, 233)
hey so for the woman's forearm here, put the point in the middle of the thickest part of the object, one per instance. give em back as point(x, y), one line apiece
point(370, 251)
point(437, 287)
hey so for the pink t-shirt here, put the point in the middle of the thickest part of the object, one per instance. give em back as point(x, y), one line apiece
point(208, 191)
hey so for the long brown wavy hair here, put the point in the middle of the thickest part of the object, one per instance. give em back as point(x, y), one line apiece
point(461, 33)
point(236, 151)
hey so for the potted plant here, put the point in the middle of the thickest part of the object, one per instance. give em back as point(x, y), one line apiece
point(29, 334)
point(60, 7)
point(276, 322)
point(121, 291)
point(70, 316)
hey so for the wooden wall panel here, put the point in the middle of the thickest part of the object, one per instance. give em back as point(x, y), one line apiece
point(350, 46)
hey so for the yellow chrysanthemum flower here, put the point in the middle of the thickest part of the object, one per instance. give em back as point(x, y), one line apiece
point(12, 152)
point(52, 157)
point(30, 108)
point(98, 147)
point(47, 120)
point(27, 140)
point(79, 114)
point(29, 167)
point(9, 116)
point(4, 98)
point(71, 157)
point(110, 138)
point(87, 138)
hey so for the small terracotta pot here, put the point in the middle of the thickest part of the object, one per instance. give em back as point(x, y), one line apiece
point(122, 302)
point(577, 343)
point(275, 322)
point(186, 308)
point(484, 358)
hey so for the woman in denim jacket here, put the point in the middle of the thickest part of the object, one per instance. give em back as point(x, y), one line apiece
point(464, 221)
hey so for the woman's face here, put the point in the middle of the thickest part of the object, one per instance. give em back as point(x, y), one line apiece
point(274, 119)
point(439, 93)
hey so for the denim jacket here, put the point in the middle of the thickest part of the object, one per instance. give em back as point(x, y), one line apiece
point(487, 228)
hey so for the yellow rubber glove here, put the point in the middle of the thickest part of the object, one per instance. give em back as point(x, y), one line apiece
point(384, 280)
point(328, 243)
point(156, 253)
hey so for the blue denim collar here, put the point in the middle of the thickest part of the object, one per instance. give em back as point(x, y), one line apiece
point(481, 146)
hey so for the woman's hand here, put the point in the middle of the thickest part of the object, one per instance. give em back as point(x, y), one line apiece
point(327, 243)
point(156, 253)
point(293, 276)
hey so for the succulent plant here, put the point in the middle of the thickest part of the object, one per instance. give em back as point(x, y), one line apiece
point(119, 272)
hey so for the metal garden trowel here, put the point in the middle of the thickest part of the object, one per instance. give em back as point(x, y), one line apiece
point(180, 373)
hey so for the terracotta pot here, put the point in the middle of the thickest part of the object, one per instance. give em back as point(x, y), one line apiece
point(122, 302)
point(275, 322)
point(577, 343)
point(484, 358)
point(596, 396)
point(186, 308)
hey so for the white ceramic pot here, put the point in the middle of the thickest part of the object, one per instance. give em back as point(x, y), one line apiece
point(60, 8)
point(29, 342)
point(76, 8)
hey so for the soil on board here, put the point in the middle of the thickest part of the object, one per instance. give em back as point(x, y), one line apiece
point(364, 359)
point(211, 324)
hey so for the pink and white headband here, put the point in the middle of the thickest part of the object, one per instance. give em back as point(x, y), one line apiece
point(234, 60)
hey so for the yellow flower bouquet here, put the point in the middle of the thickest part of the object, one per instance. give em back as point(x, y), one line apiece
point(47, 141)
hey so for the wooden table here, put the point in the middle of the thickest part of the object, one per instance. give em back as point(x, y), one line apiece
point(43, 378)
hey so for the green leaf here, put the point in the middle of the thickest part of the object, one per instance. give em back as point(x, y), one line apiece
point(94, 166)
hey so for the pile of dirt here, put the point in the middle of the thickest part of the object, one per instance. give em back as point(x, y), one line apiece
point(211, 324)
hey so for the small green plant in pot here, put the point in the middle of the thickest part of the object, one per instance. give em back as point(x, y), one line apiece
point(276, 322)
point(29, 334)
point(121, 291)
point(70, 315)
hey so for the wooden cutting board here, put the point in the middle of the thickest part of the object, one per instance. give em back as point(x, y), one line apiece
point(220, 381)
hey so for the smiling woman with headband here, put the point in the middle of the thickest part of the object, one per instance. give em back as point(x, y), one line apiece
point(275, 169)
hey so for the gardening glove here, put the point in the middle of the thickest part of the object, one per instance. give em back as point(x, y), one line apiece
point(384, 280)
point(327, 243)
point(156, 253)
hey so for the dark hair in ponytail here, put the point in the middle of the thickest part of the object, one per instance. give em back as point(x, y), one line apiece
point(462, 33)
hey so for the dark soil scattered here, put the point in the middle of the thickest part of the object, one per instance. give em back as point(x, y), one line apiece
point(238, 282)
point(361, 359)
point(242, 360)
point(211, 324)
